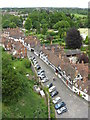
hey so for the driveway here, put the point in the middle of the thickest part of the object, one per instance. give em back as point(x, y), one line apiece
point(77, 107)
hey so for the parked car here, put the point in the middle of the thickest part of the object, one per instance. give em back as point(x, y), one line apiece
point(33, 58)
point(38, 67)
point(35, 62)
point(56, 100)
point(42, 77)
point(59, 105)
point(62, 110)
point(42, 74)
point(54, 93)
point(45, 80)
point(50, 85)
point(51, 89)
point(40, 71)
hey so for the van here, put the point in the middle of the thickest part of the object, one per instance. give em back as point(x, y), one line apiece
point(51, 89)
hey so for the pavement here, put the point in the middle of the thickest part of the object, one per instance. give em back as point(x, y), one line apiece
point(77, 107)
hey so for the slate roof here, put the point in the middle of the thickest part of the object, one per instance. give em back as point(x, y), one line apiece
point(73, 52)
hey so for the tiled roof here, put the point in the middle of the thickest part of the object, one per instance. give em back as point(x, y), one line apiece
point(15, 33)
point(32, 40)
point(70, 71)
point(82, 68)
point(18, 45)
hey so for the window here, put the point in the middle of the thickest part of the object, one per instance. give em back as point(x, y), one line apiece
point(75, 89)
point(84, 95)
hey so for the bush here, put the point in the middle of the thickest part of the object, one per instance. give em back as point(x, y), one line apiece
point(27, 63)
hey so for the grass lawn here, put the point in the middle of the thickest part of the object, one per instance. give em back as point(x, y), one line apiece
point(30, 105)
point(79, 15)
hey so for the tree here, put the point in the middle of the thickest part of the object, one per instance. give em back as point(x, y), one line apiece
point(73, 39)
point(37, 26)
point(28, 24)
point(5, 24)
point(62, 27)
point(13, 83)
point(10, 21)
point(12, 25)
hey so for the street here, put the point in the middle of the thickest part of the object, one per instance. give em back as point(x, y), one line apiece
point(77, 107)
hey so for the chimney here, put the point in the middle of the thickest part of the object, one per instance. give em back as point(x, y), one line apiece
point(76, 72)
point(84, 79)
point(60, 56)
point(53, 49)
point(71, 61)
point(82, 62)
point(48, 55)
point(36, 42)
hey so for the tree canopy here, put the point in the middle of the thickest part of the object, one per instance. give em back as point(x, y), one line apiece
point(13, 84)
point(28, 24)
point(73, 39)
point(11, 21)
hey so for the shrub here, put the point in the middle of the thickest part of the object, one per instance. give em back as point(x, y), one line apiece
point(27, 63)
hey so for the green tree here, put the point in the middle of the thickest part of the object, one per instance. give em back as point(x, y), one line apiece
point(13, 84)
point(28, 24)
point(44, 26)
point(62, 27)
point(12, 25)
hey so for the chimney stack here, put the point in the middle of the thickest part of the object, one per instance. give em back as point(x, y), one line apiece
point(60, 56)
point(82, 62)
point(53, 49)
point(76, 72)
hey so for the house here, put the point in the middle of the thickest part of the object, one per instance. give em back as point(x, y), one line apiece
point(19, 51)
point(30, 42)
point(82, 71)
point(82, 88)
point(6, 43)
point(14, 33)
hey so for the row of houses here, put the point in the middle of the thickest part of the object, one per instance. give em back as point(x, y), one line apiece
point(72, 73)
point(63, 62)
point(16, 43)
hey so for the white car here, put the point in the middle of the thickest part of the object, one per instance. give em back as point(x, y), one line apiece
point(51, 89)
point(41, 74)
point(56, 100)
point(45, 80)
point(62, 110)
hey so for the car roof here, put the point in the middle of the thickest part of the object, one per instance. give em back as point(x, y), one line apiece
point(52, 87)
point(63, 108)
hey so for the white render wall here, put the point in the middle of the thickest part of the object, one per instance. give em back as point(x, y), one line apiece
point(83, 95)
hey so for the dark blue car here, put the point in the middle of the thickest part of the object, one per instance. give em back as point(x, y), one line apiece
point(59, 105)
